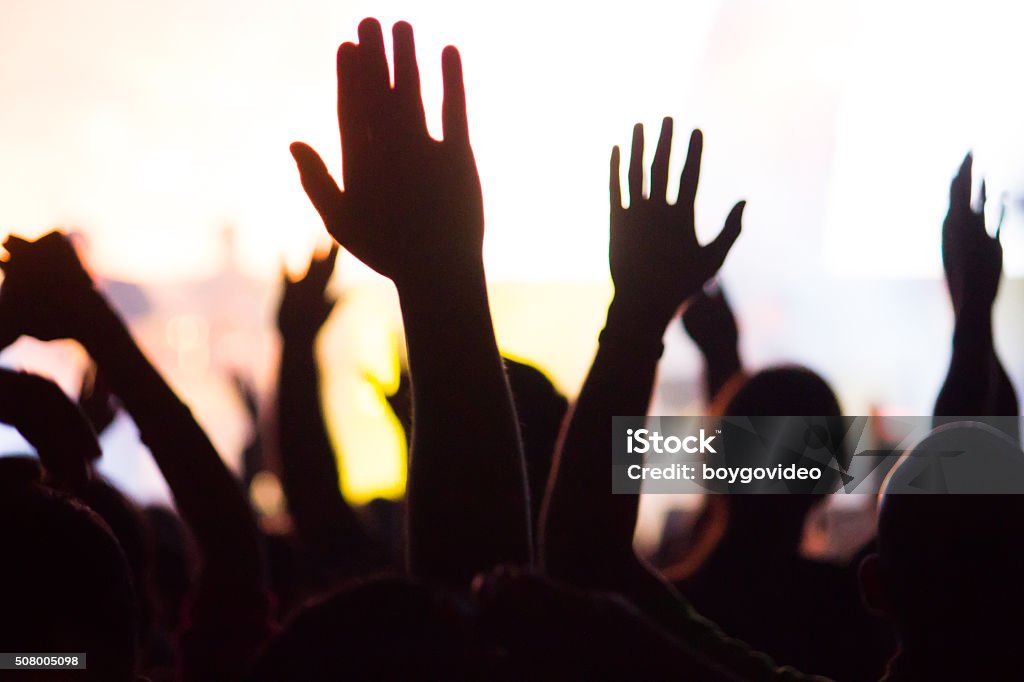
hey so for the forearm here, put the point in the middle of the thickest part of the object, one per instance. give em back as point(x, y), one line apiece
point(970, 384)
point(583, 518)
point(323, 519)
point(207, 495)
point(467, 489)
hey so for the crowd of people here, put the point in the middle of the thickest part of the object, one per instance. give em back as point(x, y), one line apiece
point(515, 560)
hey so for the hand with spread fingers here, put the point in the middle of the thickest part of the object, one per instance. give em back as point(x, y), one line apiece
point(47, 292)
point(656, 261)
point(411, 207)
point(305, 304)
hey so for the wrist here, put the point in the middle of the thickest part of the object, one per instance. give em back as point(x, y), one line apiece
point(628, 318)
point(628, 324)
point(444, 287)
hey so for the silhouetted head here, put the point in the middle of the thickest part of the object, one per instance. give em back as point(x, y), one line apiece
point(949, 572)
point(778, 391)
point(383, 629)
point(540, 409)
point(64, 584)
point(127, 523)
point(786, 390)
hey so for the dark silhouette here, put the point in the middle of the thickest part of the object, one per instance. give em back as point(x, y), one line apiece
point(194, 593)
point(754, 582)
point(947, 571)
point(412, 211)
point(50, 295)
point(710, 322)
point(71, 593)
point(331, 538)
point(587, 532)
point(540, 408)
point(976, 384)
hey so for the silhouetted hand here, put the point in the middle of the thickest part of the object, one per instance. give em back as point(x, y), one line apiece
point(305, 305)
point(973, 260)
point(412, 205)
point(656, 260)
point(709, 321)
point(46, 292)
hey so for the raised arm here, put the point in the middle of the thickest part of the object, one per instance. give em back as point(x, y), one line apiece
point(50, 295)
point(587, 532)
point(412, 210)
point(656, 265)
point(327, 528)
point(976, 384)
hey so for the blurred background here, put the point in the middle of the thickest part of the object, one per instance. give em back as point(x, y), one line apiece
point(158, 132)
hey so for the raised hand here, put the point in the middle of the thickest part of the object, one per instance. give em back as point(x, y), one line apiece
point(305, 305)
point(656, 261)
point(46, 290)
point(412, 210)
point(411, 205)
point(976, 382)
point(710, 322)
point(973, 260)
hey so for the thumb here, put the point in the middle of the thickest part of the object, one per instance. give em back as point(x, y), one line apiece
point(718, 249)
point(322, 190)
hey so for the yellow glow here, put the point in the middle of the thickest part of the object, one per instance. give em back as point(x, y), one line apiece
point(150, 126)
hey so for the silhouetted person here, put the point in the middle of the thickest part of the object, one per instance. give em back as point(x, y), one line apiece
point(65, 586)
point(48, 294)
point(657, 264)
point(755, 583)
point(947, 575)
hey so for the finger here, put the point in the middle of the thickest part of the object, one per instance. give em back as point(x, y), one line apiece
point(690, 176)
point(14, 243)
point(960, 188)
point(659, 168)
point(614, 186)
point(453, 108)
point(718, 249)
point(1002, 215)
point(635, 175)
point(320, 187)
point(325, 261)
point(407, 76)
point(373, 60)
point(351, 111)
